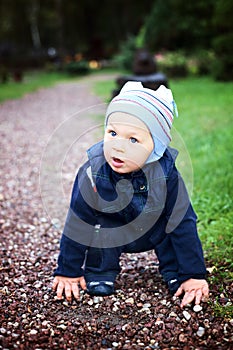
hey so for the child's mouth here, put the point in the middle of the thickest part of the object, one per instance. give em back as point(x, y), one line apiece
point(117, 162)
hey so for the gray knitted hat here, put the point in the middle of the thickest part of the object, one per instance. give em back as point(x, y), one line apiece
point(155, 108)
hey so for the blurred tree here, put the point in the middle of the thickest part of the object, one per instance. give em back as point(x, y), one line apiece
point(98, 30)
point(223, 39)
point(60, 25)
point(14, 22)
point(193, 26)
point(179, 24)
point(33, 12)
point(71, 26)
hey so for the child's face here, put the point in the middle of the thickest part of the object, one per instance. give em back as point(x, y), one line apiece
point(127, 143)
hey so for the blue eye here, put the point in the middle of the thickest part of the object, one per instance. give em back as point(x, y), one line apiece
point(133, 140)
point(112, 133)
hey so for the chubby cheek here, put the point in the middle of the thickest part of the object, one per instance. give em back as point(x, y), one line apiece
point(138, 155)
point(107, 151)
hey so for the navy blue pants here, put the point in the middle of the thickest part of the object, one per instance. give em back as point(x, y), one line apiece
point(103, 263)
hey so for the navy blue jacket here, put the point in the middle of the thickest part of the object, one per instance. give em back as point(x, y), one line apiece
point(109, 209)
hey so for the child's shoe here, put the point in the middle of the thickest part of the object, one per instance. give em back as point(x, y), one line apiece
point(100, 288)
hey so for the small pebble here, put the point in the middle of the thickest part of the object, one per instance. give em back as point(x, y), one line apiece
point(96, 300)
point(2, 330)
point(38, 285)
point(201, 331)
point(124, 327)
point(65, 303)
point(182, 338)
point(197, 308)
point(17, 281)
point(62, 326)
point(130, 300)
point(143, 297)
point(15, 335)
point(187, 315)
point(5, 290)
point(153, 342)
point(146, 306)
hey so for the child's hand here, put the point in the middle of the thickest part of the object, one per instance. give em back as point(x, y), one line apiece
point(193, 289)
point(69, 286)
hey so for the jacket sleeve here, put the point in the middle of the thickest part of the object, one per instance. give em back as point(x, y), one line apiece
point(78, 228)
point(182, 229)
point(71, 258)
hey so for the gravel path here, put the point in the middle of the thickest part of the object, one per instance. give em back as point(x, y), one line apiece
point(43, 136)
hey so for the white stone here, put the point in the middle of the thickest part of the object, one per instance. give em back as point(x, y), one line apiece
point(62, 326)
point(124, 327)
point(130, 300)
point(201, 331)
point(96, 300)
point(146, 306)
point(187, 315)
point(197, 308)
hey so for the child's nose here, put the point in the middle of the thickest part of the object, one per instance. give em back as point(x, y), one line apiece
point(119, 146)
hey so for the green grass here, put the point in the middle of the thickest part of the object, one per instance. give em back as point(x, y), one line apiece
point(205, 127)
point(32, 81)
point(205, 124)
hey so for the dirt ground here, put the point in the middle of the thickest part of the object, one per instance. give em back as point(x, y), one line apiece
point(43, 139)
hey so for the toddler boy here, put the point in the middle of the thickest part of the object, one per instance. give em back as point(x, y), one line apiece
point(129, 197)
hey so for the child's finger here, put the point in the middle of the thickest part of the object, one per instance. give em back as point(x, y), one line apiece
point(68, 291)
point(205, 291)
point(198, 296)
point(179, 291)
point(55, 283)
point(60, 288)
point(188, 298)
point(83, 283)
point(205, 294)
point(75, 290)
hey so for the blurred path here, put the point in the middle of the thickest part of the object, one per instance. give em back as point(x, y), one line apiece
point(26, 127)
